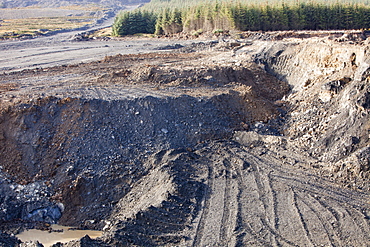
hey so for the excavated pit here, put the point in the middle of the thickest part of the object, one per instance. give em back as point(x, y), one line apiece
point(86, 154)
point(70, 160)
point(192, 149)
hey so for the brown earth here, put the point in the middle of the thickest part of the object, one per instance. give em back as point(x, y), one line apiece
point(257, 141)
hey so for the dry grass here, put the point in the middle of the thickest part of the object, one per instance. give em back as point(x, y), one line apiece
point(103, 32)
point(31, 25)
point(35, 21)
point(90, 7)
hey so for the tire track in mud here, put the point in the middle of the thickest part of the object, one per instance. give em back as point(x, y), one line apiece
point(218, 219)
point(307, 233)
point(206, 205)
point(271, 230)
point(265, 230)
point(244, 229)
point(226, 203)
point(309, 188)
point(322, 216)
point(260, 200)
point(364, 234)
point(229, 217)
point(279, 205)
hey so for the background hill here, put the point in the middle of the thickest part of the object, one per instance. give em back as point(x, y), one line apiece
point(56, 3)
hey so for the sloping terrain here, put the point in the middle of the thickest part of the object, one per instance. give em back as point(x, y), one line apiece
point(55, 3)
point(246, 142)
point(329, 116)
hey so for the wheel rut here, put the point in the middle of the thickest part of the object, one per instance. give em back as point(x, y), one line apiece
point(277, 205)
point(206, 205)
point(313, 210)
point(226, 223)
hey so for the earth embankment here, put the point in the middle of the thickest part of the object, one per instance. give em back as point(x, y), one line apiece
point(329, 104)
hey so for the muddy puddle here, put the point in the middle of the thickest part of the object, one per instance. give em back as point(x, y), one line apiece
point(61, 234)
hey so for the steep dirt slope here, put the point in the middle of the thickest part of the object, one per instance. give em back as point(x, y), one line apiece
point(329, 106)
point(193, 148)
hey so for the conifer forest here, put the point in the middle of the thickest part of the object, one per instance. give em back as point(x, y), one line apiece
point(169, 17)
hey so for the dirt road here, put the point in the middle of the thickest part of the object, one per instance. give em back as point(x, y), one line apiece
point(50, 51)
point(242, 196)
point(62, 48)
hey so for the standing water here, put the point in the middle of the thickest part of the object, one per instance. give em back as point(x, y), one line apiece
point(61, 234)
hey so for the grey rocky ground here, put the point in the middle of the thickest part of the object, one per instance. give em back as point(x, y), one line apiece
point(255, 141)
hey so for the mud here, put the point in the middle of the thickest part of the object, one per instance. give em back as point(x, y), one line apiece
point(247, 142)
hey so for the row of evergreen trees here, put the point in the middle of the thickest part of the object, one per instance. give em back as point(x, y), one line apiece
point(301, 17)
point(128, 23)
point(226, 16)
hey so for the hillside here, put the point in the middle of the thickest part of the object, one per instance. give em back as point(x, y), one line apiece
point(56, 3)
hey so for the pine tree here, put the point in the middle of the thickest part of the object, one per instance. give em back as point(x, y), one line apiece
point(265, 18)
point(176, 21)
point(159, 25)
point(222, 15)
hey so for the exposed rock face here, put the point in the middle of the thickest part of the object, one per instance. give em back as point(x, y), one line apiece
point(194, 149)
point(329, 116)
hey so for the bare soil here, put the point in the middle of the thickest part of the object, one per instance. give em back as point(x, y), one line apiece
point(257, 141)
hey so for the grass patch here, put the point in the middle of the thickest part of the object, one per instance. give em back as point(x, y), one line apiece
point(89, 7)
point(36, 21)
point(14, 28)
point(105, 32)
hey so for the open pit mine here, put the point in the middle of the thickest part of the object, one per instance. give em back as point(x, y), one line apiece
point(257, 141)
